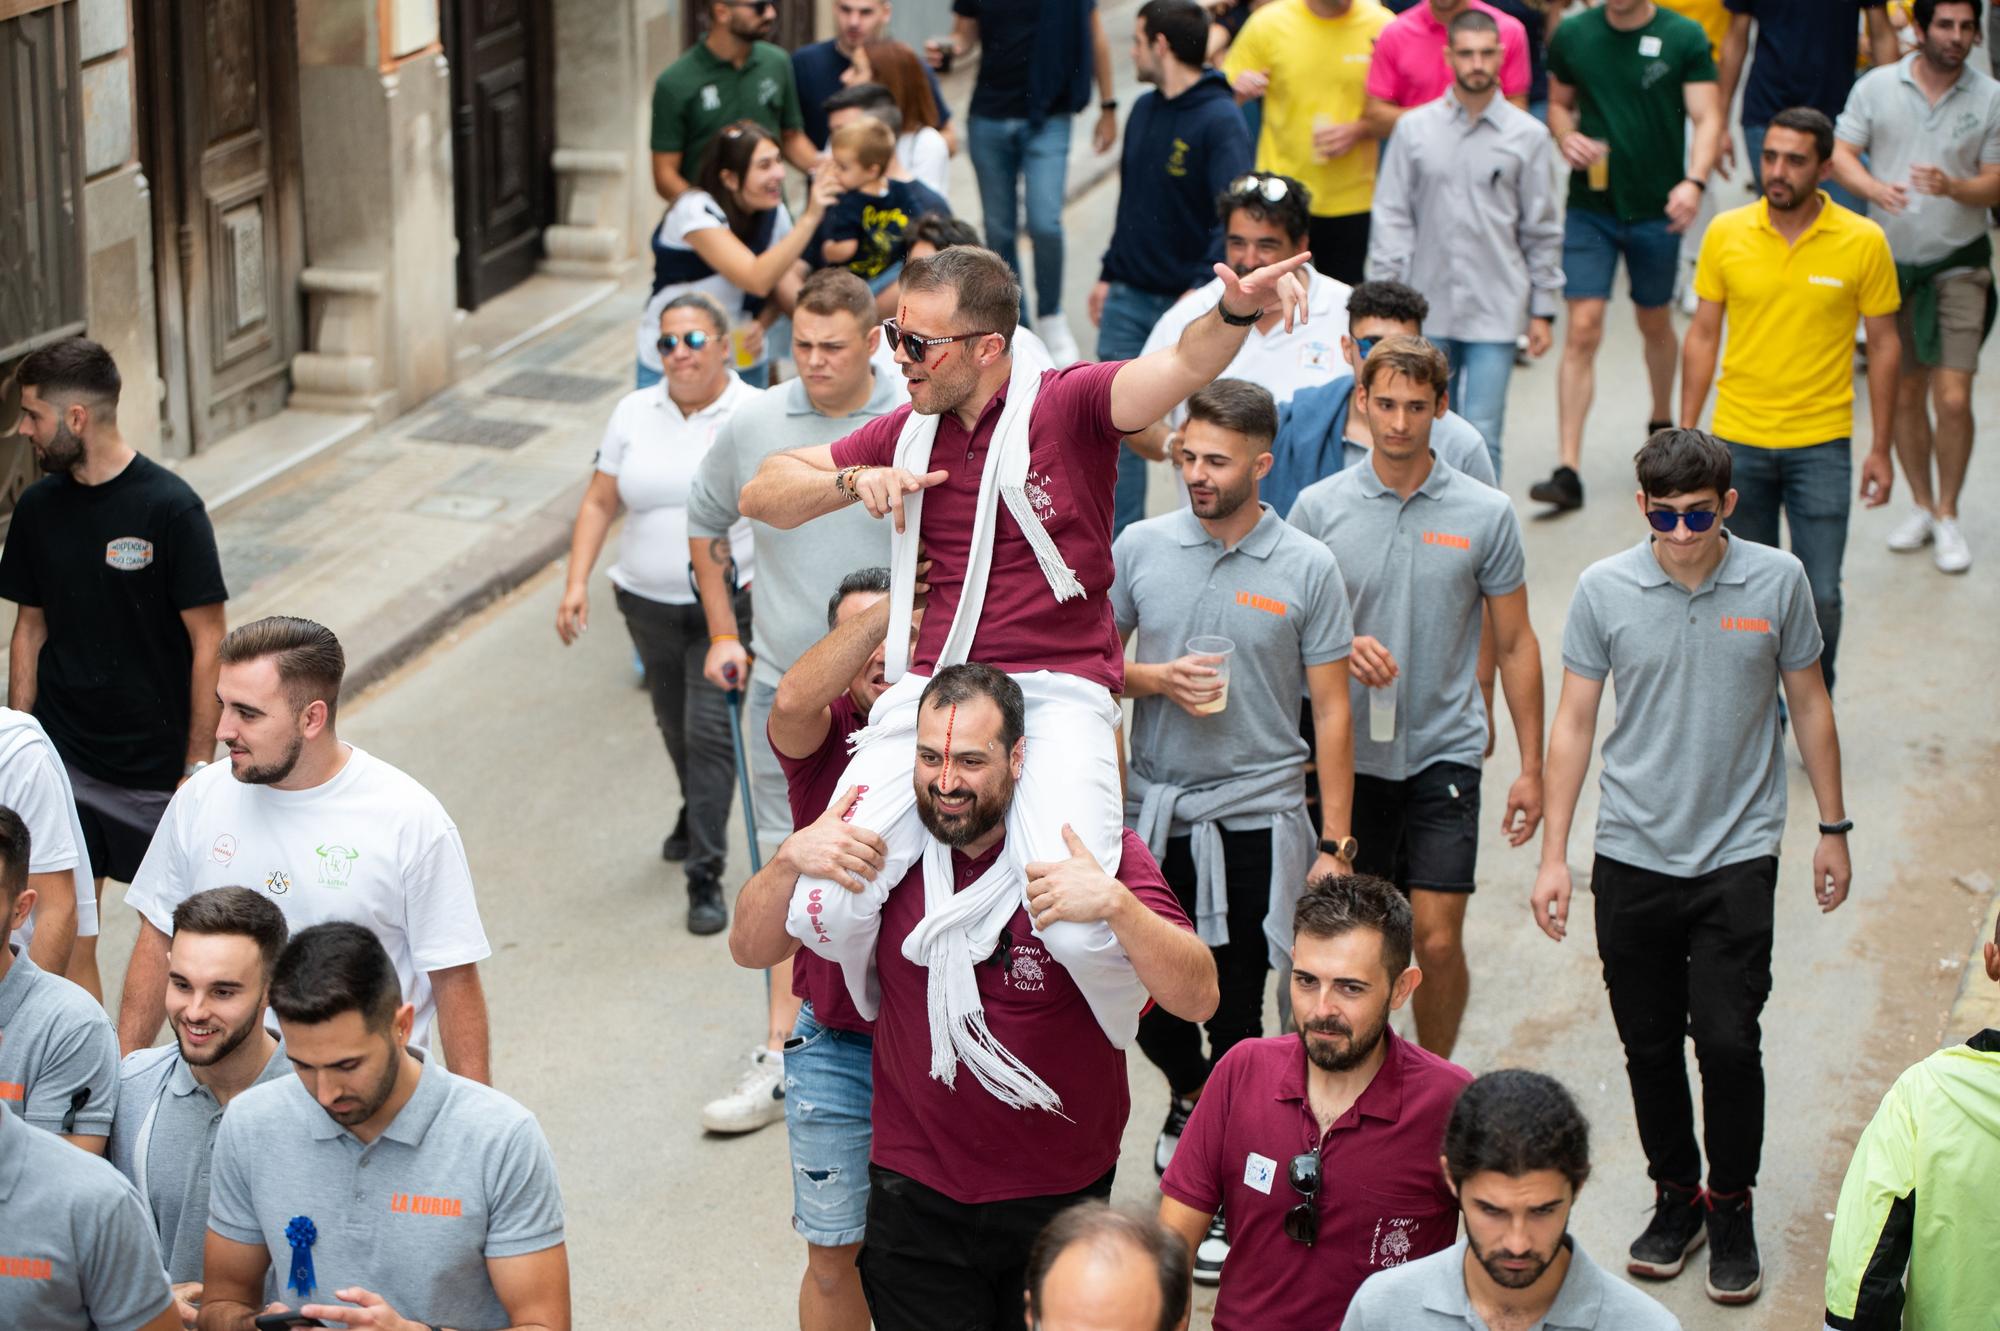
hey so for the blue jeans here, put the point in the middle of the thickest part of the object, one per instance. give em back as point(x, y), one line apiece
point(1753, 148)
point(1479, 375)
point(1811, 485)
point(1128, 319)
point(829, 1093)
point(1004, 152)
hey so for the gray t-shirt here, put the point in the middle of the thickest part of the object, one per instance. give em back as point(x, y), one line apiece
point(167, 1123)
point(1277, 595)
point(797, 570)
point(1889, 118)
point(1694, 767)
point(1429, 1295)
point(58, 1053)
point(462, 1174)
point(1417, 571)
point(76, 1253)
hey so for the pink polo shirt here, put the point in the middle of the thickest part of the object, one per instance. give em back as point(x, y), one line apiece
point(1410, 68)
point(1383, 1199)
point(1072, 474)
point(960, 1141)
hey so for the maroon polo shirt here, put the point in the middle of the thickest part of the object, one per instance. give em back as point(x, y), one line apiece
point(1072, 475)
point(962, 1142)
point(1383, 1199)
point(811, 783)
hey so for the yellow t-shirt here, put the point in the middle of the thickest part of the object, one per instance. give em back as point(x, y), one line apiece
point(1714, 20)
point(1789, 316)
point(1319, 70)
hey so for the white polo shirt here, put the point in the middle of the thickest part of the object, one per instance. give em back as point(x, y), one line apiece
point(1282, 362)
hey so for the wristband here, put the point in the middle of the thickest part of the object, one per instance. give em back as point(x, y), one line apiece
point(1701, 185)
point(724, 637)
point(1108, 104)
point(1841, 828)
point(1237, 320)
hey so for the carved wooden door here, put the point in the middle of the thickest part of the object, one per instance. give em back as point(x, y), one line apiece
point(503, 134)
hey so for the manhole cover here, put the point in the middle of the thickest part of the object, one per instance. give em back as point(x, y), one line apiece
point(454, 427)
point(552, 386)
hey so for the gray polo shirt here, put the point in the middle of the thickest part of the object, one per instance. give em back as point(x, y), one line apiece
point(1888, 117)
point(58, 1053)
point(460, 1175)
point(76, 1253)
point(167, 1122)
point(1429, 1295)
point(1277, 595)
point(1694, 768)
point(1417, 571)
point(797, 570)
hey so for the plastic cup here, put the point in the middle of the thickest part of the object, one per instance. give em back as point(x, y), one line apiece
point(1321, 123)
point(739, 344)
point(946, 48)
point(1218, 650)
point(1599, 171)
point(1382, 712)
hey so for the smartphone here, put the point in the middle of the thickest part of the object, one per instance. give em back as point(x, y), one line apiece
point(285, 1321)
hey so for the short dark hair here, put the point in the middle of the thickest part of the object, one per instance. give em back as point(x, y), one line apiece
point(941, 231)
point(1291, 212)
point(831, 290)
point(1809, 121)
point(1516, 1122)
point(989, 295)
point(1923, 11)
point(704, 304)
point(963, 683)
point(236, 910)
point(15, 847)
point(872, 100)
point(1184, 23)
point(1238, 405)
point(872, 579)
point(72, 367)
point(1682, 462)
point(310, 661)
point(1388, 300)
point(1104, 1227)
point(1412, 357)
point(333, 968)
point(1472, 20)
point(1334, 904)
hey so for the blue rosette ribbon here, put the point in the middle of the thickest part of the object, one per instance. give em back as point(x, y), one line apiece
point(301, 1233)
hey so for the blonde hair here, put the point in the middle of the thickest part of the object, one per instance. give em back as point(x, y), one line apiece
point(872, 142)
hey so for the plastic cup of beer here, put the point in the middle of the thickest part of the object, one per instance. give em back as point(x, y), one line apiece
point(1599, 171)
point(1321, 123)
point(739, 345)
point(1214, 651)
point(1382, 712)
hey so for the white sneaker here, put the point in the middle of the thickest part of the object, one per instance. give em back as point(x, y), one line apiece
point(1213, 1252)
point(1952, 554)
point(1054, 332)
point(759, 1097)
point(1913, 532)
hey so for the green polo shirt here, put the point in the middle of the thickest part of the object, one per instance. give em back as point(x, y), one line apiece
point(700, 93)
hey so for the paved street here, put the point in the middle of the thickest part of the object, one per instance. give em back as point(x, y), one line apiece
point(614, 1024)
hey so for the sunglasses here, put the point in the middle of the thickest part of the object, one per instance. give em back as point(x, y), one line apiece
point(1302, 1221)
point(1698, 520)
point(1364, 345)
point(695, 338)
point(1268, 188)
point(759, 5)
point(916, 347)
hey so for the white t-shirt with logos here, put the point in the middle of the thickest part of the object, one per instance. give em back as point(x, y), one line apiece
point(1282, 362)
point(371, 846)
point(34, 785)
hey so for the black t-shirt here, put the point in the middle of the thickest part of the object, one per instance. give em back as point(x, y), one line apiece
point(111, 567)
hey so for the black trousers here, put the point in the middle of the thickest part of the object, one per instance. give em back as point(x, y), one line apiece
point(1174, 1044)
point(1691, 957)
point(933, 1264)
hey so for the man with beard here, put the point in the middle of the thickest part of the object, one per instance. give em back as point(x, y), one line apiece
point(983, 1028)
point(1516, 1151)
point(1306, 1227)
point(324, 830)
point(460, 1223)
point(170, 1098)
point(1934, 123)
point(733, 73)
point(112, 562)
point(1216, 784)
point(1791, 274)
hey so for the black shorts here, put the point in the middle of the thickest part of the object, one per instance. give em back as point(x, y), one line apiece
point(1340, 245)
point(1422, 831)
point(118, 823)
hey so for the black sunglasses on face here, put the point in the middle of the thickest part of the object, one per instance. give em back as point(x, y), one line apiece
point(695, 338)
point(759, 5)
point(916, 347)
point(1302, 1221)
point(1698, 520)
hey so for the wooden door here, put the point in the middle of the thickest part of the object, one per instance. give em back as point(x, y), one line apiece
point(226, 171)
point(503, 134)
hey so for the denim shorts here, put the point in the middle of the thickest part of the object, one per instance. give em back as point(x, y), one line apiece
point(1592, 242)
point(829, 1092)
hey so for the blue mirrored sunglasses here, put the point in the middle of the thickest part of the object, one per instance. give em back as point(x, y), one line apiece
point(1698, 520)
point(696, 340)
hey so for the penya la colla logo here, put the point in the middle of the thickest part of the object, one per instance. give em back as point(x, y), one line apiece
point(336, 864)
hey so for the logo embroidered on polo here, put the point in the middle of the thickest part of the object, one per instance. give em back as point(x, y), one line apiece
point(1264, 603)
point(1393, 1241)
point(1745, 624)
point(1446, 538)
point(411, 1203)
point(26, 1268)
point(128, 554)
point(1821, 280)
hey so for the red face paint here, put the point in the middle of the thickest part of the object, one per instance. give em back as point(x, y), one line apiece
point(951, 719)
point(942, 358)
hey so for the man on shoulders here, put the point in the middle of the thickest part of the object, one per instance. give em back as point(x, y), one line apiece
point(731, 74)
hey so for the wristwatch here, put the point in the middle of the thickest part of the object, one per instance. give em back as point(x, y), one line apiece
point(1108, 104)
point(1344, 849)
point(1841, 828)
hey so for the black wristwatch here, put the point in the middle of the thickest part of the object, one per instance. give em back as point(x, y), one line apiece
point(1108, 104)
point(1237, 320)
point(1701, 185)
point(1344, 849)
point(1841, 828)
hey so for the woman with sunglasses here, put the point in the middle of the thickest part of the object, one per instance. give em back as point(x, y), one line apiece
point(655, 440)
point(733, 239)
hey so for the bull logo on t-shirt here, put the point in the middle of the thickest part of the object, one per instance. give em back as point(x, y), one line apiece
point(1391, 1245)
point(1026, 972)
point(335, 864)
point(128, 554)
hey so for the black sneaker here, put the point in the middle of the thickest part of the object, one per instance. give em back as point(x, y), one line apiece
point(706, 913)
point(1735, 1273)
point(1178, 1110)
point(1212, 1253)
point(1654, 427)
point(1679, 1227)
point(675, 848)
point(1563, 488)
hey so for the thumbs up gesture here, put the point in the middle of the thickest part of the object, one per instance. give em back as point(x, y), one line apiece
point(1076, 889)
